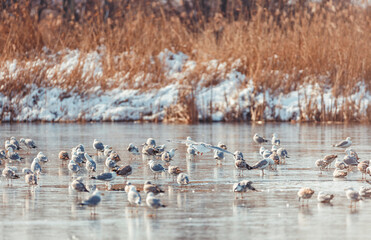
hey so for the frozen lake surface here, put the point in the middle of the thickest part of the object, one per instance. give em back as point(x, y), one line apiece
point(207, 208)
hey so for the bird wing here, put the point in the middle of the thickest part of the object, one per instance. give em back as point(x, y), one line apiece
point(104, 176)
point(182, 141)
point(93, 200)
point(260, 164)
point(342, 143)
point(158, 167)
point(218, 149)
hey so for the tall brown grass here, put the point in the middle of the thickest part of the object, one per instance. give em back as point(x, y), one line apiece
point(280, 49)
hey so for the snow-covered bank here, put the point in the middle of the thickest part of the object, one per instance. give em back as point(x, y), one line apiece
point(233, 97)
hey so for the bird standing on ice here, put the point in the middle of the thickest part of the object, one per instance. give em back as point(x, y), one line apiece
point(344, 144)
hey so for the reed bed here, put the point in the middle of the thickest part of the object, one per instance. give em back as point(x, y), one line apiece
point(279, 48)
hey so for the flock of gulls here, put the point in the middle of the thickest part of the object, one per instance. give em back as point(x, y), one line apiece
point(159, 160)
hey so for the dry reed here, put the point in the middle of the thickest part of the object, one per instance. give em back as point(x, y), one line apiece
point(279, 49)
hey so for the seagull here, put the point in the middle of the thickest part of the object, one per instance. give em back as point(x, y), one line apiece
point(149, 187)
point(276, 160)
point(267, 153)
point(149, 150)
point(13, 156)
point(98, 146)
point(168, 155)
point(111, 164)
point(340, 164)
point(282, 153)
point(10, 173)
point(41, 156)
point(80, 147)
point(365, 192)
point(362, 167)
point(76, 158)
point(344, 144)
point(353, 196)
point(182, 179)
point(63, 155)
point(107, 150)
point(151, 142)
point(73, 167)
point(258, 139)
point(124, 171)
point(339, 173)
point(191, 151)
point(275, 139)
point(133, 149)
point(81, 155)
point(92, 201)
point(160, 149)
point(35, 166)
point(351, 152)
point(199, 147)
point(156, 168)
point(107, 177)
point(174, 171)
point(263, 164)
point(29, 143)
point(305, 193)
point(2, 155)
point(243, 186)
point(15, 142)
point(241, 165)
point(133, 196)
point(324, 197)
point(30, 179)
point(321, 164)
point(10, 145)
point(153, 202)
point(328, 159)
point(350, 161)
point(90, 165)
point(78, 185)
point(219, 155)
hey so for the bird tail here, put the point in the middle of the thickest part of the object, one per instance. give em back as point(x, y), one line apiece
point(15, 176)
point(265, 140)
point(93, 177)
point(299, 199)
point(287, 157)
point(162, 205)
